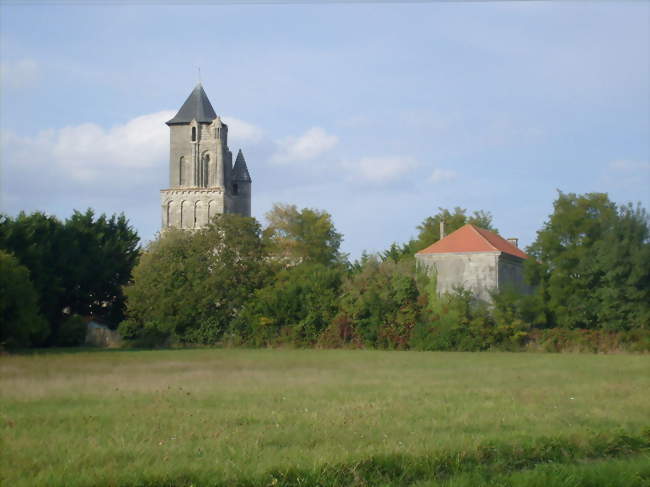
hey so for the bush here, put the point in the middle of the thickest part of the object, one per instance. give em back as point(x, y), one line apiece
point(381, 303)
point(295, 308)
point(458, 321)
point(339, 334)
point(72, 332)
point(138, 336)
point(20, 323)
point(448, 323)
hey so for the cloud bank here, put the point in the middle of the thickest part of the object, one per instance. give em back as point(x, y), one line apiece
point(310, 145)
point(380, 169)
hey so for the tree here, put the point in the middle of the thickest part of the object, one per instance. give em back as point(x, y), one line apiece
point(380, 303)
point(397, 252)
point(429, 229)
point(590, 264)
point(77, 266)
point(189, 286)
point(305, 235)
point(101, 256)
point(20, 323)
point(297, 306)
point(622, 259)
point(38, 242)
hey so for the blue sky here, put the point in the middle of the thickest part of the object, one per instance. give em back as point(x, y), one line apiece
point(376, 113)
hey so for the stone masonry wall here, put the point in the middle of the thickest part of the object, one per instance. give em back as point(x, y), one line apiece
point(190, 208)
point(474, 271)
point(511, 274)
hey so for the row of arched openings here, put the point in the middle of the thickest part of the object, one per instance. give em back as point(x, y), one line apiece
point(189, 214)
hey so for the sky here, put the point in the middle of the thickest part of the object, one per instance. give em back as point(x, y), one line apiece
point(377, 113)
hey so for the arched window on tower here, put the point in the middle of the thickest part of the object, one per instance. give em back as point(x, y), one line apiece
point(181, 174)
point(193, 134)
point(205, 171)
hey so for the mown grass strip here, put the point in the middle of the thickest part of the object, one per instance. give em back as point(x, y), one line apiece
point(488, 459)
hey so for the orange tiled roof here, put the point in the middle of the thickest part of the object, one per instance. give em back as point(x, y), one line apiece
point(473, 239)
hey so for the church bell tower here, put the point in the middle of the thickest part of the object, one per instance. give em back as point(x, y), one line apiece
point(202, 179)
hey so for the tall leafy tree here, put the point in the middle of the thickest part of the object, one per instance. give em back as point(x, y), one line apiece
point(622, 260)
point(38, 241)
point(397, 252)
point(101, 255)
point(591, 264)
point(21, 324)
point(305, 235)
point(189, 286)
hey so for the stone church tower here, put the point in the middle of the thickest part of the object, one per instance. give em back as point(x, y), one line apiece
point(202, 179)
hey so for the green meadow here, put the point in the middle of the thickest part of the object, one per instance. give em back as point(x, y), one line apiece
point(228, 417)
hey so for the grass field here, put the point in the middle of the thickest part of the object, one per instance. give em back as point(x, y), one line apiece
point(312, 417)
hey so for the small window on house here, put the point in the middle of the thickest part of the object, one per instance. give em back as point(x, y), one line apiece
point(193, 134)
point(235, 189)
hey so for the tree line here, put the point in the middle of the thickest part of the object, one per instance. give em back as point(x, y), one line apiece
point(237, 283)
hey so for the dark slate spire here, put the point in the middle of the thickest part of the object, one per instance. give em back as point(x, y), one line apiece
point(239, 170)
point(197, 106)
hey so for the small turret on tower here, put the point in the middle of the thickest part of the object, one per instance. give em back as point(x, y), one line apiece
point(240, 187)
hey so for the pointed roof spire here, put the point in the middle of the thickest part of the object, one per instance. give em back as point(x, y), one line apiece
point(239, 170)
point(197, 106)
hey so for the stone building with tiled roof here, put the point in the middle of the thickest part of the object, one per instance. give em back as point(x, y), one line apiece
point(202, 179)
point(475, 259)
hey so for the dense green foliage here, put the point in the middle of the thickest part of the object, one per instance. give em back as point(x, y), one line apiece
point(288, 284)
point(77, 266)
point(20, 322)
point(299, 293)
point(102, 253)
point(305, 235)
point(591, 264)
point(295, 307)
point(72, 332)
point(39, 243)
point(190, 286)
point(379, 306)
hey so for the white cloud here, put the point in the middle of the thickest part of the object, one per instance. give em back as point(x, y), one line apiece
point(440, 175)
point(310, 145)
point(89, 152)
point(240, 131)
point(380, 169)
point(19, 73)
